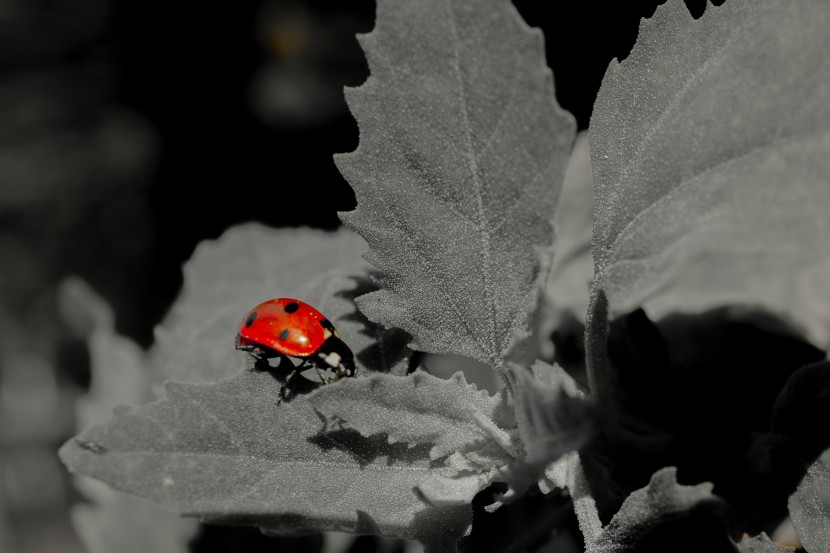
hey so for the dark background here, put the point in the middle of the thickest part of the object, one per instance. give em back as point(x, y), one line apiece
point(130, 130)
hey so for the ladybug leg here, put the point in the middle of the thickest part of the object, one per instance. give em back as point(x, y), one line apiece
point(302, 366)
point(285, 389)
point(322, 380)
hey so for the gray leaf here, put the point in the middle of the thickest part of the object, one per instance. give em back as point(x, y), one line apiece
point(461, 155)
point(663, 499)
point(810, 506)
point(572, 268)
point(227, 453)
point(114, 522)
point(225, 278)
point(120, 375)
point(553, 419)
point(451, 415)
point(710, 143)
point(567, 473)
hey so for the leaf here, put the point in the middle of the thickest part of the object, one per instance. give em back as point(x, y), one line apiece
point(573, 268)
point(376, 348)
point(553, 419)
point(710, 145)
point(461, 155)
point(227, 453)
point(567, 473)
point(451, 415)
point(114, 522)
point(119, 367)
point(225, 278)
point(662, 500)
point(810, 506)
point(475, 372)
point(760, 544)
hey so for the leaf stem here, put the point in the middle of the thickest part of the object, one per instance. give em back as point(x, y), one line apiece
point(505, 376)
point(596, 345)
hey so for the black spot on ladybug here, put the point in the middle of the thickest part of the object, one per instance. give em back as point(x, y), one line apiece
point(283, 334)
point(325, 323)
point(291, 307)
point(250, 320)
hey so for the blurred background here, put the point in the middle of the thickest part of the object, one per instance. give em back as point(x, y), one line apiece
point(132, 130)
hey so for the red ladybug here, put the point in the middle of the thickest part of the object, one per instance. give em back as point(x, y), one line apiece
point(288, 327)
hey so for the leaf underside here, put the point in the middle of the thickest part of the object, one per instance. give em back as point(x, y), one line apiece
point(461, 155)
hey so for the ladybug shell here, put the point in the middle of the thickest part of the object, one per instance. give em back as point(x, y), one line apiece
point(287, 326)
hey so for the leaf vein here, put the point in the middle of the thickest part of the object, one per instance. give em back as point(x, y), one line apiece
point(472, 163)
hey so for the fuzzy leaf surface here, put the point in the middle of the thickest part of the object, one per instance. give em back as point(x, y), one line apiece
point(450, 415)
point(662, 500)
point(461, 156)
point(810, 506)
point(225, 278)
point(710, 144)
point(553, 419)
point(567, 473)
point(227, 453)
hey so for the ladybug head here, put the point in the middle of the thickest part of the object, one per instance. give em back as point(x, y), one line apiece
point(334, 353)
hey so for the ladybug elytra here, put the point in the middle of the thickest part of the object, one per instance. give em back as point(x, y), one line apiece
point(292, 328)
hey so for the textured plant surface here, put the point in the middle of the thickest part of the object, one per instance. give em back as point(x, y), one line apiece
point(710, 156)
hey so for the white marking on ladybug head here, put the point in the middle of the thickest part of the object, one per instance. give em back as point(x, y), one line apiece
point(326, 333)
point(333, 359)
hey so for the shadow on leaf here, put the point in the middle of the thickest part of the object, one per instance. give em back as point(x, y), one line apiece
point(389, 345)
point(367, 450)
point(298, 385)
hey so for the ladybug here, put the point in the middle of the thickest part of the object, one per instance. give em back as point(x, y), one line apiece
point(285, 327)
